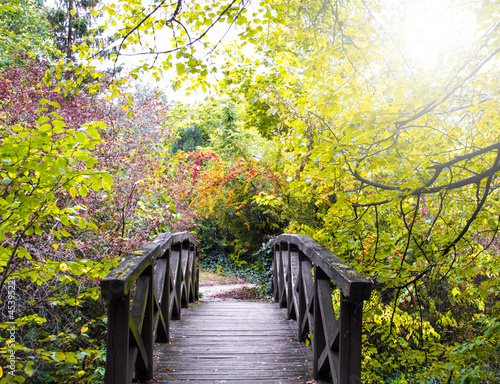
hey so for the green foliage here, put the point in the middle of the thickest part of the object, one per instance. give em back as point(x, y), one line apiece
point(71, 24)
point(41, 164)
point(213, 125)
point(218, 256)
point(397, 173)
point(189, 139)
point(24, 28)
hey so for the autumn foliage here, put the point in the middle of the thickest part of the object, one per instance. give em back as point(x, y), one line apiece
point(77, 195)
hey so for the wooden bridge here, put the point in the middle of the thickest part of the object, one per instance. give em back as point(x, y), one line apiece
point(233, 342)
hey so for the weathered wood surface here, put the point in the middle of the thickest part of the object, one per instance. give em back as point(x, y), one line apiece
point(233, 342)
point(353, 285)
point(146, 291)
point(304, 275)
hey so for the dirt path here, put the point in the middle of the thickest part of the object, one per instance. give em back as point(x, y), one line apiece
point(215, 287)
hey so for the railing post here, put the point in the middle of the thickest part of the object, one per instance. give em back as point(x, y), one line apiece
point(290, 294)
point(302, 303)
point(118, 341)
point(351, 314)
point(192, 273)
point(282, 275)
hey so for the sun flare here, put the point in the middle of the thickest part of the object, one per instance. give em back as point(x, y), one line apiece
point(429, 32)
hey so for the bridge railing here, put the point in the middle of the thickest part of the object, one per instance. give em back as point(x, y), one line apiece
point(304, 274)
point(145, 292)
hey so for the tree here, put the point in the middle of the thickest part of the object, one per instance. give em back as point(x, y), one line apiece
point(71, 23)
point(401, 163)
point(214, 125)
point(188, 139)
point(23, 28)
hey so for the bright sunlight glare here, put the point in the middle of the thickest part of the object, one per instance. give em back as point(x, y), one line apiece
point(430, 32)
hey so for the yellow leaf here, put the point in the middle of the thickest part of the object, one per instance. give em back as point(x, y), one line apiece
point(72, 192)
point(84, 329)
point(55, 246)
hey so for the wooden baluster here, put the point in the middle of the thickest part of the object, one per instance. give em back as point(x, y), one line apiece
point(319, 341)
point(163, 335)
point(282, 275)
point(118, 341)
point(287, 280)
point(307, 295)
point(197, 266)
point(192, 273)
point(276, 250)
point(351, 314)
point(165, 303)
point(294, 281)
point(184, 276)
point(176, 277)
point(301, 302)
point(147, 330)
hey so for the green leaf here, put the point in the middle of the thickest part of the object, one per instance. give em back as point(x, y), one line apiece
point(42, 119)
point(54, 104)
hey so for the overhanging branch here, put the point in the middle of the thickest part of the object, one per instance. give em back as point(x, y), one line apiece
point(427, 189)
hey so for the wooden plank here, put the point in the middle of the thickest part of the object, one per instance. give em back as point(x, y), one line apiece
point(136, 342)
point(308, 295)
point(275, 272)
point(197, 273)
point(175, 269)
point(294, 281)
point(234, 341)
point(160, 277)
point(281, 276)
point(192, 273)
point(185, 285)
point(132, 357)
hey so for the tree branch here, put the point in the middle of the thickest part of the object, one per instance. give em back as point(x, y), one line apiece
point(492, 171)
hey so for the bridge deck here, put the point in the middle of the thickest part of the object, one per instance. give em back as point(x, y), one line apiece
point(235, 342)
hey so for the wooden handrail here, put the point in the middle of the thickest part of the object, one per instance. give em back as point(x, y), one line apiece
point(304, 274)
point(145, 292)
